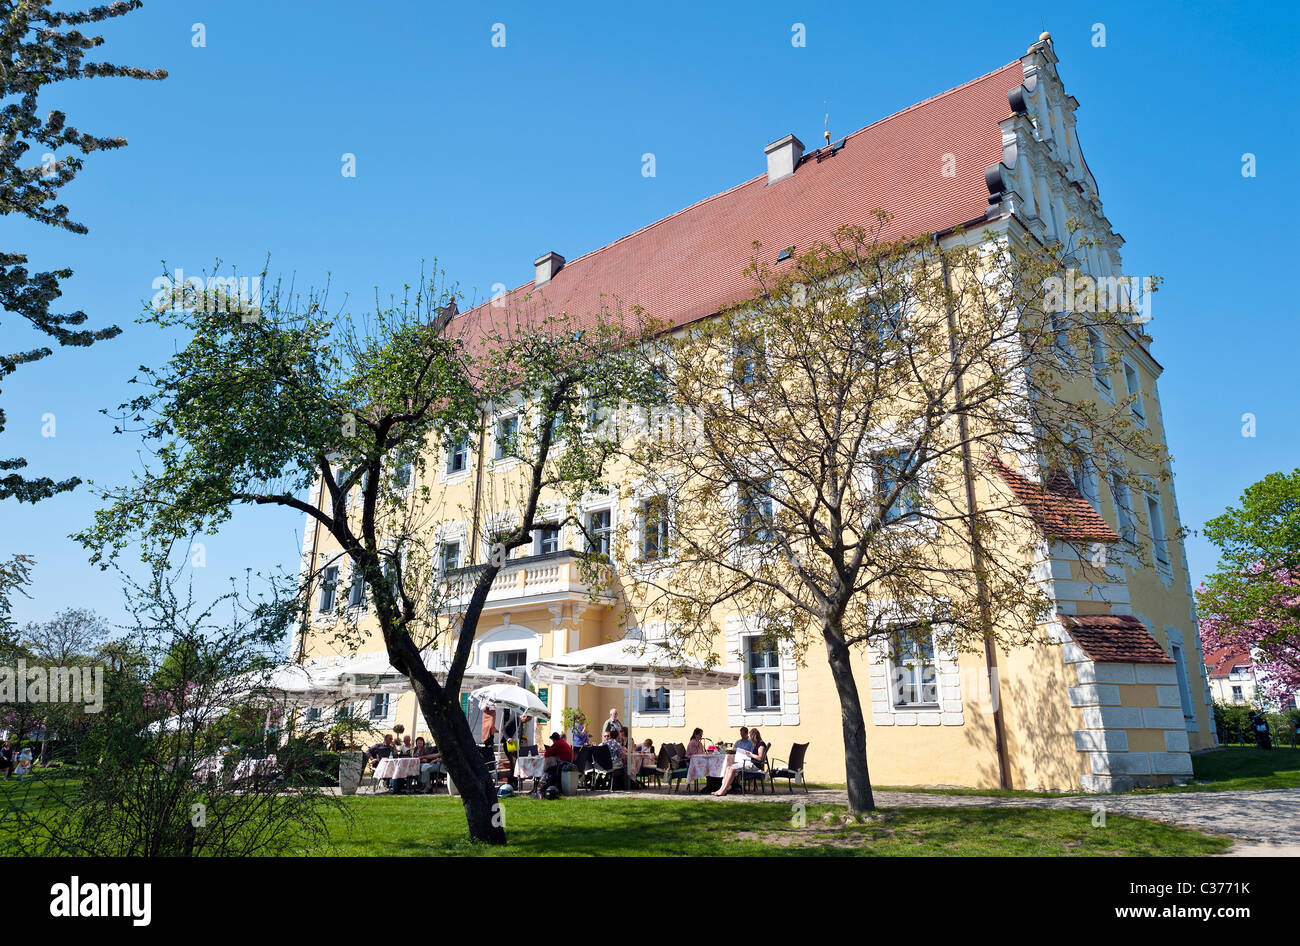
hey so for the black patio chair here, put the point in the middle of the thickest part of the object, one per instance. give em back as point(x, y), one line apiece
point(603, 767)
point(676, 765)
point(790, 770)
point(759, 775)
point(582, 762)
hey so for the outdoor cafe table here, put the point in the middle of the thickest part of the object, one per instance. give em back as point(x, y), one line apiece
point(707, 765)
point(406, 767)
point(247, 768)
point(530, 766)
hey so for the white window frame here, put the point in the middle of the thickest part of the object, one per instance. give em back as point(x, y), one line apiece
point(539, 541)
point(1133, 385)
point(381, 699)
point(449, 452)
point(771, 673)
point(1159, 536)
point(499, 454)
point(916, 668)
point(665, 527)
point(458, 542)
point(332, 586)
point(588, 516)
point(1099, 365)
point(878, 486)
point(1122, 497)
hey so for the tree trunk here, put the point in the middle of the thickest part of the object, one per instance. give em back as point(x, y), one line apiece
point(463, 763)
point(851, 721)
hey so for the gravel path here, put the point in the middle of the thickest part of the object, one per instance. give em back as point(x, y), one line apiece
point(1269, 815)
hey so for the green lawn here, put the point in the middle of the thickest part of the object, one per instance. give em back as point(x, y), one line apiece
point(426, 825)
point(1235, 767)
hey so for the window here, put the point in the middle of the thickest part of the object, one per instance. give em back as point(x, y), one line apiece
point(329, 580)
point(1133, 384)
point(1100, 365)
point(513, 662)
point(507, 437)
point(357, 591)
point(548, 538)
point(1236, 695)
point(654, 701)
point(314, 714)
point(746, 356)
point(755, 509)
point(762, 664)
point(891, 467)
point(379, 706)
point(1123, 507)
point(449, 556)
point(599, 531)
point(654, 528)
point(1184, 688)
point(1061, 335)
point(1079, 469)
point(596, 415)
point(1159, 544)
point(457, 455)
point(914, 675)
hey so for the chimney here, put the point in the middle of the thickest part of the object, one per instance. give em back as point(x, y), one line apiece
point(782, 158)
point(548, 264)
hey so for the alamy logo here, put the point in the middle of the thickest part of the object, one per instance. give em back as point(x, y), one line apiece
point(78, 899)
point(1116, 294)
point(24, 684)
point(176, 294)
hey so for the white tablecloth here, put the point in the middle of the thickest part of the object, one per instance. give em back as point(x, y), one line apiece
point(398, 768)
point(530, 766)
point(707, 765)
point(250, 767)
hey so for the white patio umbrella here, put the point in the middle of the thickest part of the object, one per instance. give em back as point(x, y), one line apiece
point(513, 697)
point(372, 673)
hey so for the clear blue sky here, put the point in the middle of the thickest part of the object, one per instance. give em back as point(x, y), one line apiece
point(485, 157)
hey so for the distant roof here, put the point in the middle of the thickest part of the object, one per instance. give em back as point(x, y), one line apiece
point(1059, 509)
point(691, 264)
point(1221, 662)
point(1114, 638)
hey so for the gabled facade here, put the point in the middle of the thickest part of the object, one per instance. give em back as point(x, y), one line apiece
point(1118, 699)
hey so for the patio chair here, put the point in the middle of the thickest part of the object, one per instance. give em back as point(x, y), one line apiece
point(759, 775)
point(582, 762)
point(676, 765)
point(790, 770)
point(603, 768)
point(653, 772)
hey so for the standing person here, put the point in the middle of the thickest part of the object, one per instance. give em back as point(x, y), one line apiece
point(580, 735)
point(613, 725)
point(488, 727)
point(24, 766)
point(6, 756)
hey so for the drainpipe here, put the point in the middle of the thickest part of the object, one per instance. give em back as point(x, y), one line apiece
point(990, 651)
point(478, 486)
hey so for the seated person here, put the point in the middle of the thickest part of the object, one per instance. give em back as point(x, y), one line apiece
point(381, 750)
point(696, 745)
point(750, 753)
point(615, 748)
point(559, 750)
point(430, 760)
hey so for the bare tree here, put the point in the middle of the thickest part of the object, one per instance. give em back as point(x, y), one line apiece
point(838, 468)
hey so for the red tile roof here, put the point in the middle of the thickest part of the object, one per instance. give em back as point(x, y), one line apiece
point(691, 264)
point(1059, 509)
point(1219, 664)
point(1114, 638)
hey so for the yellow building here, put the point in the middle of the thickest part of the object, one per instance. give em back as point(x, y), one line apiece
point(1119, 699)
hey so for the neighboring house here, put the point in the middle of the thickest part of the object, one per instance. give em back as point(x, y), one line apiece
point(1231, 674)
point(1117, 699)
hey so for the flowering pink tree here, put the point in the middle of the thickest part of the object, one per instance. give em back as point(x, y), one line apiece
point(1258, 608)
